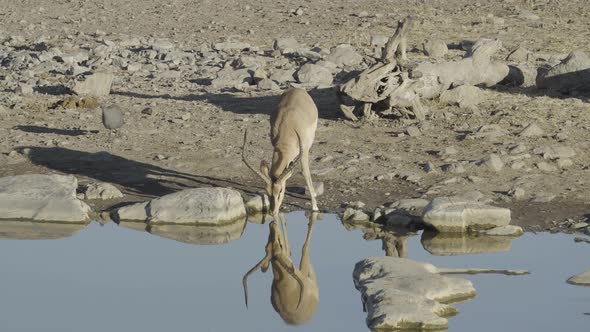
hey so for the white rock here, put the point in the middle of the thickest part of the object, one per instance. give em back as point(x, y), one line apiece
point(464, 96)
point(230, 78)
point(573, 73)
point(353, 215)
point(97, 84)
point(209, 206)
point(555, 152)
point(493, 162)
point(314, 74)
point(258, 203)
point(102, 191)
point(435, 48)
point(286, 44)
point(231, 46)
point(267, 84)
point(452, 214)
point(344, 56)
point(531, 130)
point(403, 294)
point(41, 198)
point(580, 279)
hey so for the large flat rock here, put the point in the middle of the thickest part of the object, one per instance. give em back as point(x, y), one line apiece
point(403, 294)
point(582, 279)
point(201, 206)
point(454, 214)
point(41, 197)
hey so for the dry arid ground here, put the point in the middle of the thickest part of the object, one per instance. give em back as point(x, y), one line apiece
point(191, 135)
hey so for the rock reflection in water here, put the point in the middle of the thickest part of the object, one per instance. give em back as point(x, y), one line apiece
point(452, 244)
point(193, 234)
point(29, 230)
point(294, 291)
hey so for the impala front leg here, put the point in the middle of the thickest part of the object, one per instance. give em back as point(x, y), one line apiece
point(307, 176)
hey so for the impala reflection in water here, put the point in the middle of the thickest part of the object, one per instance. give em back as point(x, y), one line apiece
point(294, 291)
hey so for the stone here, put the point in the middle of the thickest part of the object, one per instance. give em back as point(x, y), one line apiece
point(521, 75)
point(413, 131)
point(24, 89)
point(201, 206)
point(230, 78)
point(282, 76)
point(267, 84)
point(464, 96)
point(492, 162)
point(42, 198)
point(112, 117)
point(97, 84)
point(518, 149)
point(410, 204)
point(546, 167)
point(517, 193)
point(455, 168)
point(582, 279)
point(455, 244)
point(286, 45)
point(344, 55)
point(542, 197)
point(564, 163)
point(399, 293)
point(435, 48)
point(258, 204)
point(520, 54)
point(528, 15)
point(231, 47)
point(379, 40)
point(555, 152)
point(508, 230)
point(314, 74)
point(573, 73)
point(353, 215)
point(531, 130)
point(452, 214)
point(102, 191)
point(429, 168)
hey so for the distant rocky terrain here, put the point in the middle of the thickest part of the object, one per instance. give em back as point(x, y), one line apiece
point(190, 79)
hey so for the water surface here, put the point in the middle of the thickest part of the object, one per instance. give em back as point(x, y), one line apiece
point(122, 279)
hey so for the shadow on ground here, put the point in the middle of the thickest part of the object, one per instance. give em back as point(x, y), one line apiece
point(138, 178)
point(325, 99)
point(133, 177)
point(45, 130)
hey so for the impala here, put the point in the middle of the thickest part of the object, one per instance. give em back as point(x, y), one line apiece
point(292, 131)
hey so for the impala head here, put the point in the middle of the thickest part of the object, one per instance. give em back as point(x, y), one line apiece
point(274, 186)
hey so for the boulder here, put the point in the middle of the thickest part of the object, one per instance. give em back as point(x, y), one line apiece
point(97, 84)
point(399, 293)
point(201, 206)
point(41, 197)
point(258, 203)
point(582, 279)
point(452, 214)
point(230, 78)
point(344, 55)
point(435, 48)
point(314, 75)
point(102, 191)
point(465, 96)
point(573, 73)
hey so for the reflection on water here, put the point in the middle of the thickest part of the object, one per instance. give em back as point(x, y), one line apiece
point(27, 230)
point(150, 283)
point(452, 244)
point(294, 290)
